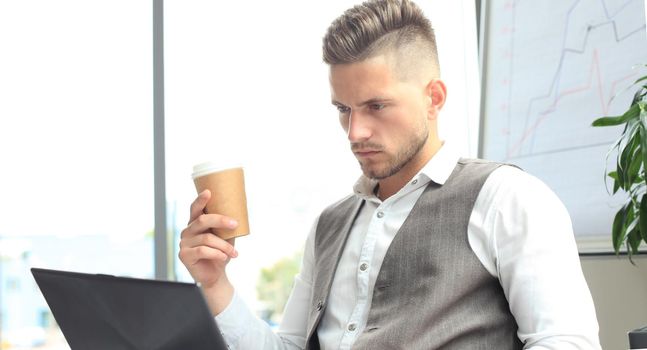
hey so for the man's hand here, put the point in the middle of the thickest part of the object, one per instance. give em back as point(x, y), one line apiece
point(206, 255)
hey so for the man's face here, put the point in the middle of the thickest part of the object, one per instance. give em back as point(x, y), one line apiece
point(386, 119)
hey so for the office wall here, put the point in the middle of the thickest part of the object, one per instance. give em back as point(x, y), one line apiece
point(619, 291)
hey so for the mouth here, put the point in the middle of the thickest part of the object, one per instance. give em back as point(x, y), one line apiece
point(366, 153)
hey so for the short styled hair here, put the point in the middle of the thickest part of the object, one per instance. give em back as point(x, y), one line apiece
point(379, 26)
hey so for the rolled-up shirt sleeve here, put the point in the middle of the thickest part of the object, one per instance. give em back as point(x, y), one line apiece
point(242, 330)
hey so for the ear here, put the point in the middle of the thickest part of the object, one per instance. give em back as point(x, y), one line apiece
point(436, 92)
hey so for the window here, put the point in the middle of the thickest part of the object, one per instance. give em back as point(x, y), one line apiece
point(76, 188)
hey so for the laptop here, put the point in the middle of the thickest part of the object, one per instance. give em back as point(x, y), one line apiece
point(107, 312)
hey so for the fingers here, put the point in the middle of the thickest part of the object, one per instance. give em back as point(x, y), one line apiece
point(198, 205)
point(205, 247)
point(205, 222)
point(210, 241)
point(201, 251)
point(191, 256)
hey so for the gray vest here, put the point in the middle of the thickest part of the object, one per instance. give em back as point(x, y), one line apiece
point(432, 292)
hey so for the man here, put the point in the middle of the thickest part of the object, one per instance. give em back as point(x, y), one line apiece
point(431, 251)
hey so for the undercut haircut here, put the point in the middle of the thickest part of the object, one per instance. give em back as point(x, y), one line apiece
point(381, 26)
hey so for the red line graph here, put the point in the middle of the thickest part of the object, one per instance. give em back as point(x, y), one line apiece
point(594, 80)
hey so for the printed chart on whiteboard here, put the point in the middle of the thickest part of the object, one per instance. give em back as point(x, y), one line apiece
point(550, 69)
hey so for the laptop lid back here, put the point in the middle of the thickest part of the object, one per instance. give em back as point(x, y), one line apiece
point(108, 312)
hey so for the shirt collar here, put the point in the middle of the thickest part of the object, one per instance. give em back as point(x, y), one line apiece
point(438, 169)
point(441, 165)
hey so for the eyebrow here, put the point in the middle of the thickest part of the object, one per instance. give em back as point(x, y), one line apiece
point(367, 102)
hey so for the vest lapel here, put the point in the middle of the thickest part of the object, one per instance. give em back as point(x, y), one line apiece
point(327, 255)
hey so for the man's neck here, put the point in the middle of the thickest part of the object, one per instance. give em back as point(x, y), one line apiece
point(392, 184)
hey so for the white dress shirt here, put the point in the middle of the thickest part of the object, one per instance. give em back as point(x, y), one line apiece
point(518, 229)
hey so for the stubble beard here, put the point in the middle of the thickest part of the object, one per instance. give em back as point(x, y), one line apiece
point(400, 160)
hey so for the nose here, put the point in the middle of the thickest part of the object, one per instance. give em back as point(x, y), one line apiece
point(359, 128)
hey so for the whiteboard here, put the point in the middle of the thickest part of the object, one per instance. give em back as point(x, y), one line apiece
point(549, 68)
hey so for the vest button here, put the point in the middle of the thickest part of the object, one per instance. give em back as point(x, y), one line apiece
point(363, 267)
point(414, 182)
point(352, 327)
point(319, 305)
point(380, 214)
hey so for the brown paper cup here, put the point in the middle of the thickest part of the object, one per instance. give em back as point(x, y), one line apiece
point(227, 196)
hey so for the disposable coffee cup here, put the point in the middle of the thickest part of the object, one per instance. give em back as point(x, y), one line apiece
point(227, 186)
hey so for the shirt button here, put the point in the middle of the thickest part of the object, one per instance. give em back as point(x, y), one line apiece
point(352, 327)
point(414, 182)
point(363, 267)
point(380, 214)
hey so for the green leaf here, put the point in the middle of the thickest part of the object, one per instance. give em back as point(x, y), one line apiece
point(633, 175)
point(630, 226)
point(627, 145)
point(633, 233)
point(631, 221)
point(634, 239)
point(643, 217)
point(616, 184)
point(636, 190)
point(621, 173)
point(635, 160)
point(633, 112)
point(638, 96)
point(625, 159)
point(643, 143)
point(640, 79)
point(618, 229)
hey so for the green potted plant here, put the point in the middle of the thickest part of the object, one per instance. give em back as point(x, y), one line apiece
point(630, 174)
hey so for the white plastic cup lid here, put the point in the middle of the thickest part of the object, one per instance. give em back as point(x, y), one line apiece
point(210, 167)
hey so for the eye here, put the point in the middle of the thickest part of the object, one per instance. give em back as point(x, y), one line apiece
point(377, 106)
point(342, 109)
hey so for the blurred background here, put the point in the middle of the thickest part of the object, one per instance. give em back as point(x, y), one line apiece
point(244, 81)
